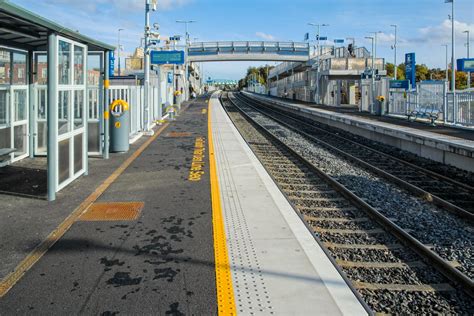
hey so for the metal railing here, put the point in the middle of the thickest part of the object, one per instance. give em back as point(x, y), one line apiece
point(248, 45)
point(460, 108)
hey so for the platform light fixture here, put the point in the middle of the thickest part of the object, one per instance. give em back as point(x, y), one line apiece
point(453, 51)
point(447, 76)
point(372, 38)
point(468, 44)
point(318, 53)
point(186, 81)
point(395, 52)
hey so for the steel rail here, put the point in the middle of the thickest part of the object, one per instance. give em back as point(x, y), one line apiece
point(419, 192)
point(433, 258)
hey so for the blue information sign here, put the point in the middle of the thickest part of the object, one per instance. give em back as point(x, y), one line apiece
point(175, 57)
point(399, 84)
point(338, 41)
point(466, 64)
point(170, 77)
point(111, 64)
point(410, 68)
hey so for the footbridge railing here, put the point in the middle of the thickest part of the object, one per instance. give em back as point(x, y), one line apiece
point(248, 50)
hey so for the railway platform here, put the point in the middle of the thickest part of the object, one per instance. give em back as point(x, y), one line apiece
point(451, 146)
point(189, 222)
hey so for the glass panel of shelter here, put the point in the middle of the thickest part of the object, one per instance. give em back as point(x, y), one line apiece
point(93, 98)
point(95, 62)
point(14, 102)
point(72, 144)
point(40, 70)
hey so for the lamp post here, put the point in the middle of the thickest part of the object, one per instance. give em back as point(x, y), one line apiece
point(467, 46)
point(373, 72)
point(447, 76)
point(395, 52)
point(318, 53)
point(375, 43)
point(118, 52)
point(186, 70)
point(453, 52)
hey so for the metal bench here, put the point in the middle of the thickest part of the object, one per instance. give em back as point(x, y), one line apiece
point(428, 112)
point(5, 153)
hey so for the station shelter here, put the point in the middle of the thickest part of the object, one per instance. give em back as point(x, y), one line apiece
point(52, 94)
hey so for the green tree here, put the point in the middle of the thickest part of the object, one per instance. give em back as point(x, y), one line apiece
point(422, 73)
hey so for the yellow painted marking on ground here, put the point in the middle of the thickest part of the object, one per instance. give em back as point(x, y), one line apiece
point(225, 289)
point(11, 279)
point(197, 166)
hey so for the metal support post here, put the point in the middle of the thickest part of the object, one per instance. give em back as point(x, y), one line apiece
point(31, 105)
point(146, 66)
point(105, 107)
point(52, 117)
point(468, 44)
point(395, 53)
point(453, 51)
point(86, 118)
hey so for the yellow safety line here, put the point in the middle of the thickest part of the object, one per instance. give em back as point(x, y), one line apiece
point(225, 290)
point(11, 279)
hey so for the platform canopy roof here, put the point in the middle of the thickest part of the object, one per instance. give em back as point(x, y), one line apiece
point(23, 29)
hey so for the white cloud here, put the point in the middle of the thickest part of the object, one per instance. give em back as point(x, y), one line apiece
point(264, 36)
point(442, 32)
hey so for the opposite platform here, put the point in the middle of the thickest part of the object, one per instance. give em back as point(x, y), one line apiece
point(447, 149)
point(277, 266)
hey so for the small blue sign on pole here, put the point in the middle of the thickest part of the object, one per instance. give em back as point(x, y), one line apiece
point(410, 68)
point(399, 84)
point(465, 64)
point(111, 64)
point(322, 38)
point(339, 41)
point(170, 77)
point(306, 36)
point(175, 57)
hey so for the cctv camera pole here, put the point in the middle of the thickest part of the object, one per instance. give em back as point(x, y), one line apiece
point(147, 65)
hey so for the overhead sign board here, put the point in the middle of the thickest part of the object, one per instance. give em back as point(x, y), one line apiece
point(339, 41)
point(410, 68)
point(175, 57)
point(322, 38)
point(399, 84)
point(466, 64)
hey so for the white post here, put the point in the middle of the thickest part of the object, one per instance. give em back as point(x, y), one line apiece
point(146, 65)
point(467, 46)
point(453, 51)
point(395, 53)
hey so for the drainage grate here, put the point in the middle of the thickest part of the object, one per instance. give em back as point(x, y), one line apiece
point(178, 134)
point(112, 211)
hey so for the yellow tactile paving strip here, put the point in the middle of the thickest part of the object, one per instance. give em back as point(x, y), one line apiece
point(112, 211)
point(225, 289)
point(11, 279)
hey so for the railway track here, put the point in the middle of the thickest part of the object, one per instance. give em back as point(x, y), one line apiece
point(445, 192)
point(379, 262)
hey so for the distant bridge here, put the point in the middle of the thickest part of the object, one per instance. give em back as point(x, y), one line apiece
point(248, 51)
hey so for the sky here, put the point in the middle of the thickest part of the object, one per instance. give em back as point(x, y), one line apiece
point(423, 25)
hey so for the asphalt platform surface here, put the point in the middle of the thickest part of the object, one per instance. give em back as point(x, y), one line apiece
point(162, 263)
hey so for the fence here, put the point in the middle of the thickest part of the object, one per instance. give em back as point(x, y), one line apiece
point(456, 109)
point(460, 108)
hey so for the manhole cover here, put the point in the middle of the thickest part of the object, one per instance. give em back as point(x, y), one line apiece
point(178, 134)
point(113, 211)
